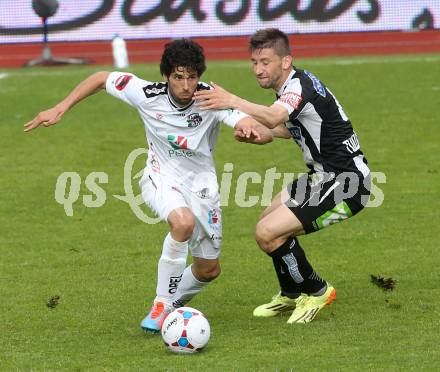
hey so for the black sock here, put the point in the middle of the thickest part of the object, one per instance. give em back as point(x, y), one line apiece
point(295, 273)
point(289, 287)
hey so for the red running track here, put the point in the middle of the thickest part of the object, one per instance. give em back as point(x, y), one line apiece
point(230, 48)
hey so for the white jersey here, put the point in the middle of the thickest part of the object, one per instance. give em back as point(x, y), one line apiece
point(180, 140)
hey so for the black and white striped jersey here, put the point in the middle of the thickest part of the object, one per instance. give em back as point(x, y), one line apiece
point(319, 125)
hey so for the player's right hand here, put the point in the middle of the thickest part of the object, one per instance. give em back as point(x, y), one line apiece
point(216, 98)
point(46, 118)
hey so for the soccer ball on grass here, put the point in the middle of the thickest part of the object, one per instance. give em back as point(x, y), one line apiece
point(186, 330)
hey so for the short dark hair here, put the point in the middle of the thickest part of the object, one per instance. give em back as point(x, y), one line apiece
point(182, 53)
point(270, 38)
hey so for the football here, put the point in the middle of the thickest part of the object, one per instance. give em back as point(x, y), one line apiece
point(186, 330)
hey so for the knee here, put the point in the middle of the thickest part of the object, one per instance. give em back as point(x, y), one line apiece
point(264, 238)
point(182, 227)
point(208, 274)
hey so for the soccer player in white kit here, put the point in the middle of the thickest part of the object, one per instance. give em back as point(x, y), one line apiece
point(179, 182)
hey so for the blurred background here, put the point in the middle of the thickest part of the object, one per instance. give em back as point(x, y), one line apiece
point(319, 28)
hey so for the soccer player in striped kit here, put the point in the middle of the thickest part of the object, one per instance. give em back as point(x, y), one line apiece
point(336, 187)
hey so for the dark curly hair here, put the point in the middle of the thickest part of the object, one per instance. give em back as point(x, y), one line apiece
point(182, 53)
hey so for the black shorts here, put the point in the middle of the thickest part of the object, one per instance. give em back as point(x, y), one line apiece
point(322, 199)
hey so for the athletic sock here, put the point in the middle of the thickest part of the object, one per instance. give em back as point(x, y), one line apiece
point(294, 271)
point(313, 283)
point(320, 292)
point(289, 287)
point(188, 287)
point(170, 268)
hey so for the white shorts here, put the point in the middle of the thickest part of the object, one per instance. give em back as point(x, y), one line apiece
point(163, 197)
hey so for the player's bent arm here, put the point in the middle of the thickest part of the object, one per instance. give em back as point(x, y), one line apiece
point(87, 87)
point(270, 116)
point(281, 132)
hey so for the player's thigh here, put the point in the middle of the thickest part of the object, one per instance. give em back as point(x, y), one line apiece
point(279, 223)
point(276, 202)
point(161, 197)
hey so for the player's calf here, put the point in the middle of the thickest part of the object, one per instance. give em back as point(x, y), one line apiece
point(195, 277)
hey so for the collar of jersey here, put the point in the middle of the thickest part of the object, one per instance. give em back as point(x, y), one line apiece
point(280, 91)
point(178, 108)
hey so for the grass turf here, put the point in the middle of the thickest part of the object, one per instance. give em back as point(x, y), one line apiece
point(102, 261)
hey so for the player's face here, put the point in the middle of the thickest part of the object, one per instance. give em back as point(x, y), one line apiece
point(269, 67)
point(182, 83)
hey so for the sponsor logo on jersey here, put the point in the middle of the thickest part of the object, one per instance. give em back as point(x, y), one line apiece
point(194, 120)
point(159, 116)
point(212, 217)
point(181, 153)
point(295, 133)
point(179, 146)
point(122, 81)
point(155, 89)
point(352, 144)
point(292, 99)
point(178, 142)
point(316, 84)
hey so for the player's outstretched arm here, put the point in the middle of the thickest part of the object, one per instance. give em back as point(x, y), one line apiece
point(218, 98)
point(250, 131)
point(87, 87)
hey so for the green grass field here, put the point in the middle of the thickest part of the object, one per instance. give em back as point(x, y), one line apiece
point(102, 261)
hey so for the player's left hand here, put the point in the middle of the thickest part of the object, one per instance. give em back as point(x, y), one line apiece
point(216, 98)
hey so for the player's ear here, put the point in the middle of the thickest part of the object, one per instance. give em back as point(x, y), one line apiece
point(165, 77)
point(287, 62)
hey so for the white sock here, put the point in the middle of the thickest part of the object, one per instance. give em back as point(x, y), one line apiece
point(171, 265)
point(189, 286)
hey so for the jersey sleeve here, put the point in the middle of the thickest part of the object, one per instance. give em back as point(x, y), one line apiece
point(230, 117)
point(292, 98)
point(127, 87)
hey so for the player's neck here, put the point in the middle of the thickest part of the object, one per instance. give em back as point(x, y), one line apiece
point(283, 79)
point(177, 104)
